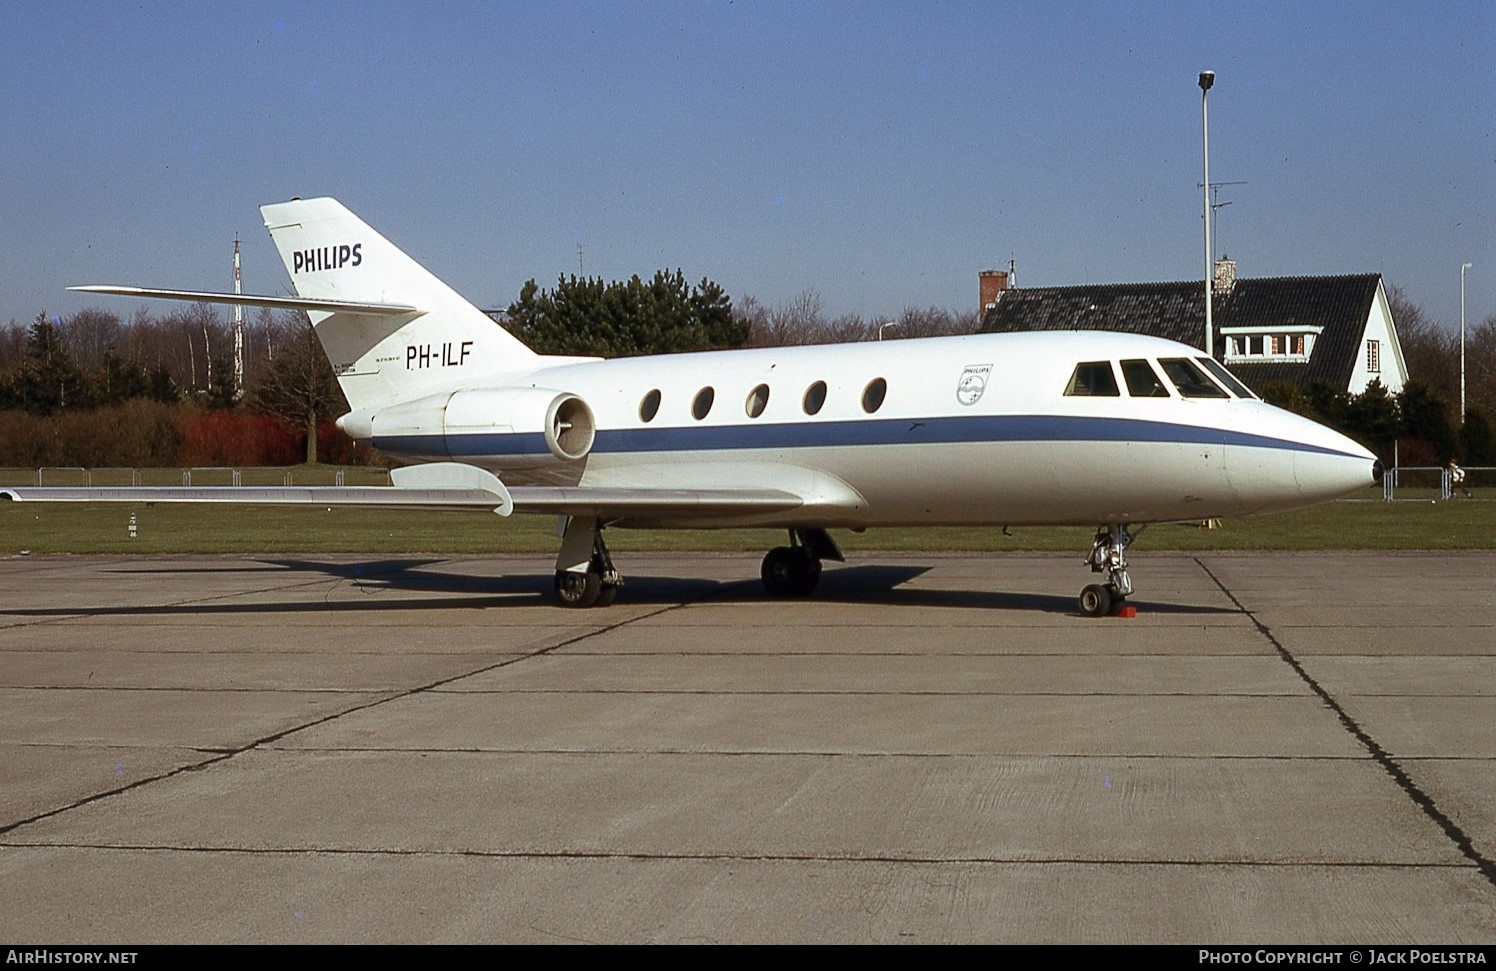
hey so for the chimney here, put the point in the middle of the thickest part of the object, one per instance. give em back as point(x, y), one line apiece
point(1225, 275)
point(993, 282)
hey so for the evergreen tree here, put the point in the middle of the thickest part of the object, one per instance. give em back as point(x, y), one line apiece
point(48, 380)
point(1426, 417)
point(585, 316)
point(1477, 439)
point(1372, 416)
point(119, 379)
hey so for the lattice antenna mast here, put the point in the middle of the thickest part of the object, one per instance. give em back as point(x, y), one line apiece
point(238, 328)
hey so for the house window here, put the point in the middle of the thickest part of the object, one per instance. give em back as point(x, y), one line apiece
point(1374, 357)
point(1245, 345)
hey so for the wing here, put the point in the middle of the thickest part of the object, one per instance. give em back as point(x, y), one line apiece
point(451, 485)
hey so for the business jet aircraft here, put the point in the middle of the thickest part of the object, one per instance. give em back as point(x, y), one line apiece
point(1081, 428)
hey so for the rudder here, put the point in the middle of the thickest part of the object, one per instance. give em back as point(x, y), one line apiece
point(332, 254)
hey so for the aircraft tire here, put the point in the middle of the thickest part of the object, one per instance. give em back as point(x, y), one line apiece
point(807, 573)
point(578, 589)
point(790, 571)
point(606, 595)
point(1095, 600)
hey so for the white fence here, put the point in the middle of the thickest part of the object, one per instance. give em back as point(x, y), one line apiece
point(1422, 478)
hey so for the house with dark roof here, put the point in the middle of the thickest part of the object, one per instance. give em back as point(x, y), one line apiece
point(1336, 329)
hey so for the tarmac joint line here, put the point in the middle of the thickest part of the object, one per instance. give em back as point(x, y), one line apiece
point(1380, 755)
point(224, 754)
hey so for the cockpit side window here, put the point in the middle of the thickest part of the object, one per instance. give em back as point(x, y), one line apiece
point(1142, 380)
point(1225, 377)
point(1189, 379)
point(1094, 378)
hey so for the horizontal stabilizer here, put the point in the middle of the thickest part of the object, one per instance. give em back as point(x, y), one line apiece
point(255, 300)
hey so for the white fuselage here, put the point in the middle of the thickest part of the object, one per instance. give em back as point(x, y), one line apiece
point(970, 430)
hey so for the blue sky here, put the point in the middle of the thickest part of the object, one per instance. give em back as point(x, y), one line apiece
point(879, 153)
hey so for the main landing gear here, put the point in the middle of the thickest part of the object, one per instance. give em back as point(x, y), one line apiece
point(794, 570)
point(1108, 555)
point(585, 576)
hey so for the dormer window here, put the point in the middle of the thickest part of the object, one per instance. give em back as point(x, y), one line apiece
point(1247, 345)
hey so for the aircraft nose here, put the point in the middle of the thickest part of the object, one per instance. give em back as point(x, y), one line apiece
point(1329, 473)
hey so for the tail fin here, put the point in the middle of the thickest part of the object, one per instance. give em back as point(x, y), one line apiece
point(379, 358)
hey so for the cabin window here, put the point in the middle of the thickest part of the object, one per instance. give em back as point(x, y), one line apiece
point(815, 397)
point(1094, 378)
point(702, 403)
point(1374, 357)
point(758, 400)
point(650, 406)
point(873, 395)
point(1225, 377)
point(1189, 379)
point(1142, 380)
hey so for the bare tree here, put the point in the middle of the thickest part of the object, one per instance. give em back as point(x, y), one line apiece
point(90, 334)
point(1431, 353)
point(299, 386)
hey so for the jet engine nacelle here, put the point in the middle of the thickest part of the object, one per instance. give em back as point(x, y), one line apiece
point(517, 428)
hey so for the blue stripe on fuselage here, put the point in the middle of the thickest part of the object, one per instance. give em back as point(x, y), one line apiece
point(831, 434)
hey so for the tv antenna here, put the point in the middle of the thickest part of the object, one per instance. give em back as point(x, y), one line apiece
point(1216, 204)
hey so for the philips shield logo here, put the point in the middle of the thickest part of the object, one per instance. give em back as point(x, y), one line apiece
point(326, 258)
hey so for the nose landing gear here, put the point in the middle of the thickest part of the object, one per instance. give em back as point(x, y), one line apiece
point(1108, 555)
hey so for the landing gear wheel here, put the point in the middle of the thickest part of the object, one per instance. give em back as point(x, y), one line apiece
point(606, 594)
point(790, 571)
point(1095, 600)
point(578, 589)
point(808, 575)
point(1108, 555)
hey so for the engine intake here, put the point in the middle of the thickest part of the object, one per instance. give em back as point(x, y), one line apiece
point(514, 428)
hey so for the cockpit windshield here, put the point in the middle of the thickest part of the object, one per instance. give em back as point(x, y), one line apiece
point(1142, 380)
point(1225, 377)
point(1093, 378)
point(1189, 379)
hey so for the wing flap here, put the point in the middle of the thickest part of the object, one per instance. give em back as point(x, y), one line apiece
point(611, 503)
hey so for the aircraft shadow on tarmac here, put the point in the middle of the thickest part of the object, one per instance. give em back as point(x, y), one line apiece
point(384, 580)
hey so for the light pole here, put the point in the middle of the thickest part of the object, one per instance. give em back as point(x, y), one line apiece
point(886, 323)
point(1207, 78)
point(1463, 268)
